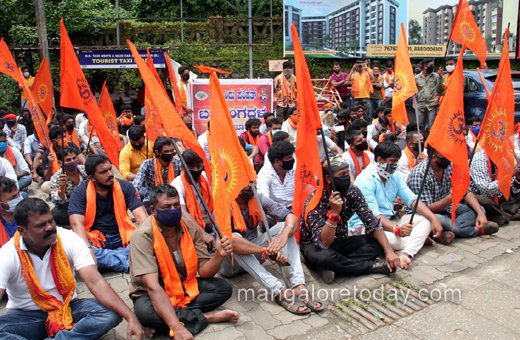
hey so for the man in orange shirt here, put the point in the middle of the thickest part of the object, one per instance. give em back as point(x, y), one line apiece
point(362, 78)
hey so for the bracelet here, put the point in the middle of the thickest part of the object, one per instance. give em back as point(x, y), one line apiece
point(331, 225)
point(172, 333)
point(332, 217)
point(517, 181)
point(397, 230)
point(290, 225)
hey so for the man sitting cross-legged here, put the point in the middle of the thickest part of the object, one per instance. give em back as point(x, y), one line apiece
point(166, 254)
point(324, 239)
point(248, 248)
point(37, 272)
point(98, 212)
point(358, 156)
point(9, 198)
point(381, 185)
point(410, 156)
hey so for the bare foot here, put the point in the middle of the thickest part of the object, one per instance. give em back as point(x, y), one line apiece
point(429, 241)
point(222, 316)
point(149, 332)
point(405, 260)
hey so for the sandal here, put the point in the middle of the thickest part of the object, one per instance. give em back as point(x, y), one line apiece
point(311, 304)
point(294, 306)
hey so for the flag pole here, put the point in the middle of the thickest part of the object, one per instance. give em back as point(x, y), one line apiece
point(333, 186)
point(267, 229)
point(417, 121)
point(197, 189)
point(62, 143)
point(430, 156)
point(89, 139)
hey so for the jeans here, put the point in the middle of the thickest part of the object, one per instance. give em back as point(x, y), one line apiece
point(24, 182)
point(464, 223)
point(414, 242)
point(282, 113)
point(427, 117)
point(253, 265)
point(112, 256)
point(91, 321)
point(374, 104)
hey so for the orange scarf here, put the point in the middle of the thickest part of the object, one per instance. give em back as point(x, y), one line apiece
point(254, 215)
point(158, 173)
point(4, 238)
point(293, 123)
point(125, 225)
point(387, 76)
point(184, 98)
point(9, 155)
point(58, 313)
point(391, 125)
point(126, 121)
point(90, 131)
point(191, 199)
point(285, 87)
point(355, 83)
point(270, 137)
point(382, 137)
point(72, 138)
point(364, 157)
point(252, 140)
point(411, 160)
point(180, 293)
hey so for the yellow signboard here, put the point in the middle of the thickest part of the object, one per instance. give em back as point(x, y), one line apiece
point(414, 50)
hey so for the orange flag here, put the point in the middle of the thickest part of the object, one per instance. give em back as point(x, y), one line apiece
point(172, 123)
point(307, 153)
point(173, 81)
point(232, 170)
point(153, 123)
point(447, 137)
point(466, 32)
point(76, 94)
point(497, 132)
point(7, 63)
point(404, 82)
point(109, 114)
point(488, 95)
point(42, 88)
point(207, 69)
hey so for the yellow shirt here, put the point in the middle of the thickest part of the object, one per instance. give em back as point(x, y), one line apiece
point(29, 81)
point(130, 159)
point(364, 90)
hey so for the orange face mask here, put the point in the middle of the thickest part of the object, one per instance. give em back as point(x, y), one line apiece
point(125, 120)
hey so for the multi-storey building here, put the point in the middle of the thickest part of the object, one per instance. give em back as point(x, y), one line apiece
point(314, 28)
point(292, 14)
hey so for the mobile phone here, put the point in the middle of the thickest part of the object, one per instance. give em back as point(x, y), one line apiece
point(339, 128)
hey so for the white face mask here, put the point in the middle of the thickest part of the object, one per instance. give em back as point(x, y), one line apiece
point(450, 68)
point(26, 74)
point(13, 203)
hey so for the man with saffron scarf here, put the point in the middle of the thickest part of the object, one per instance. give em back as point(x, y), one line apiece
point(357, 156)
point(266, 140)
point(103, 222)
point(252, 134)
point(185, 88)
point(362, 78)
point(290, 124)
point(37, 272)
point(166, 254)
point(134, 153)
point(285, 89)
point(410, 156)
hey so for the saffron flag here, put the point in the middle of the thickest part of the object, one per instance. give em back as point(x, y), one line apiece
point(42, 88)
point(153, 123)
point(109, 114)
point(207, 69)
point(447, 134)
point(173, 125)
point(404, 81)
point(7, 63)
point(308, 166)
point(465, 31)
point(498, 125)
point(488, 95)
point(76, 94)
point(173, 81)
point(232, 170)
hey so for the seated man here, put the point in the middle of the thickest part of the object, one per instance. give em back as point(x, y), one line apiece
point(203, 141)
point(289, 125)
point(341, 128)
point(30, 149)
point(484, 184)
point(9, 198)
point(161, 169)
point(64, 182)
point(329, 145)
point(277, 180)
point(167, 245)
point(362, 125)
point(248, 247)
point(252, 133)
point(324, 240)
point(125, 120)
point(16, 133)
point(473, 127)
point(267, 117)
point(358, 157)
point(381, 185)
point(104, 222)
point(14, 156)
point(134, 153)
point(70, 131)
point(470, 219)
point(274, 126)
point(375, 130)
point(410, 156)
point(37, 272)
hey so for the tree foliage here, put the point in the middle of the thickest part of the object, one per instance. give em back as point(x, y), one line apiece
point(414, 33)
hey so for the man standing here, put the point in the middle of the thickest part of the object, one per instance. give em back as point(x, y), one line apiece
point(37, 272)
point(30, 81)
point(185, 88)
point(376, 97)
point(23, 173)
point(128, 96)
point(104, 223)
point(388, 83)
point(16, 133)
point(339, 80)
point(114, 96)
point(285, 89)
point(358, 157)
point(362, 78)
point(134, 153)
point(410, 157)
point(427, 100)
point(444, 80)
point(9, 199)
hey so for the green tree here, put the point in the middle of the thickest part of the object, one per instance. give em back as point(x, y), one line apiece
point(353, 44)
point(489, 42)
point(326, 40)
point(306, 37)
point(316, 43)
point(414, 33)
point(16, 12)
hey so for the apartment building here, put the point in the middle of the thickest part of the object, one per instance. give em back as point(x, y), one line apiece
point(292, 14)
point(314, 28)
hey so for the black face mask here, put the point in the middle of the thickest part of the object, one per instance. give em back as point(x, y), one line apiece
point(11, 123)
point(342, 184)
point(166, 157)
point(363, 146)
point(365, 133)
point(443, 163)
point(25, 118)
point(246, 194)
point(416, 146)
point(189, 126)
point(196, 174)
point(429, 69)
point(186, 76)
point(254, 133)
point(70, 127)
point(288, 165)
point(138, 146)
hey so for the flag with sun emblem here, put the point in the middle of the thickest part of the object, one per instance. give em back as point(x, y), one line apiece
point(497, 130)
point(109, 114)
point(465, 31)
point(152, 123)
point(42, 88)
point(447, 134)
point(404, 82)
point(232, 169)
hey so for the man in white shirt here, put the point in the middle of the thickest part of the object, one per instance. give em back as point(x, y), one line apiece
point(7, 170)
point(410, 156)
point(203, 141)
point(375, 130)
point(290, 124)
point(81, 117)
point(16, 133)
point(331, 147)
point(277, 181)
point(388, 83)
point(23, 173)
point(185, 89)
point(128, 96)
point(50, 249)
point(114, 95)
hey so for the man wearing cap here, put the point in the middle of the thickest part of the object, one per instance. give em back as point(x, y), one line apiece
point(16, 133)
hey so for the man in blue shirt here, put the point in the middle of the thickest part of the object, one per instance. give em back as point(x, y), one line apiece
point(9, 198)
point(381, 185)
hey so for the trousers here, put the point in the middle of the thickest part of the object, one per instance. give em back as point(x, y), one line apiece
point(464, 224)
point(414, 242)
point(112, 256)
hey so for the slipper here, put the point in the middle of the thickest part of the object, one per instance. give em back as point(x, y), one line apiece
point(294, 306)
point(314, 306)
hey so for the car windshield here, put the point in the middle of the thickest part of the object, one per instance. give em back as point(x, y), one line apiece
point(514, 77)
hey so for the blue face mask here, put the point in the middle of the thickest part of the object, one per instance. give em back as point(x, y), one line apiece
point(170, 217)
point(475, 130)
point(273, 132)
point(3, 146)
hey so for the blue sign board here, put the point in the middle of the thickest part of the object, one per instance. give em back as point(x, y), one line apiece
point(97, 59)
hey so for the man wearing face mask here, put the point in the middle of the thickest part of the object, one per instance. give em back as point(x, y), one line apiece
point(185, 89)
point(16, 133)
point(324, 240)
point(339, 80)
point(376, 97)
point(381, 185)
point(410, 157)
point(290, 124)
point(427, 101)
point(30, 81)
point(362, 125)
point(134, 153)
point(331, 147)
point(444, 80)
point(252, 134)
point(23, 173)
point(98, 212)
point(164, 168)
point(374, 131)
point(70, 131)
point(25, 120)
point(473, 131)
point(264, 143)
point(470, 218)
point(188, 121)
point(358, 157)
point(342, 127)
point(285, 89)
point(9, 198)
point(166, 254)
